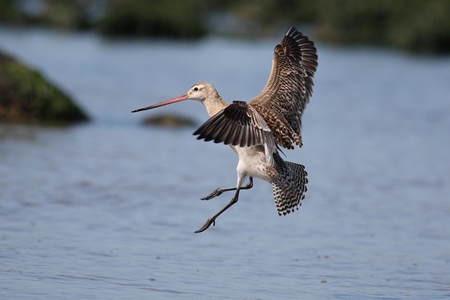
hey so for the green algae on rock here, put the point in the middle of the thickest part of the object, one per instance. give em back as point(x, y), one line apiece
point(26, 96)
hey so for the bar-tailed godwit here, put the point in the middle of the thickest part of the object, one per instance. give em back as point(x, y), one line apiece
point(255, 130)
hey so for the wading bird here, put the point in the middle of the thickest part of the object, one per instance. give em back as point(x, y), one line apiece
point(256, 130)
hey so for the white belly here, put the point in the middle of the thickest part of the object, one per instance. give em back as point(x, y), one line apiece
point(252, 162)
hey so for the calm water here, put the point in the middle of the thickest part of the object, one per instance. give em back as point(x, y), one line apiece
point(107, 210)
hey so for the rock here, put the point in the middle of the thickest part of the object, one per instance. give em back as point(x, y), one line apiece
point(27, 97)
point(169, 121)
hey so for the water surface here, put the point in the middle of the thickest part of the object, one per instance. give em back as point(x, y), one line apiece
point(107, 210)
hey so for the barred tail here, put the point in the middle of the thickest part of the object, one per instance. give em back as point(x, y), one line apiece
point(289, 186)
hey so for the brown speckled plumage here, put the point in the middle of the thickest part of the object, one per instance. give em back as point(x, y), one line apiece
point(281, 103)
point(291, 81)
point(288, 184)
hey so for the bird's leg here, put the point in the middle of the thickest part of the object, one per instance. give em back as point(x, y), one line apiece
point(235, 199)
point(212, 220)
point(219, 191)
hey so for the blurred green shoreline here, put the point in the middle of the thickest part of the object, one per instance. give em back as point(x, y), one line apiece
point(414, 26)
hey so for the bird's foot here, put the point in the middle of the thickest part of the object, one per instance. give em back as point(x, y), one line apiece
point(206, 225)
point(214, 194)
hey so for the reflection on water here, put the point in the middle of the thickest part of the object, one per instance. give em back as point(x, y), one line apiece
point(108, 209)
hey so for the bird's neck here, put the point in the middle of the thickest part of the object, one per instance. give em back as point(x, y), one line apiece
point(214, 104)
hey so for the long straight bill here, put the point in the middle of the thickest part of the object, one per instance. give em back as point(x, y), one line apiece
point(167, 102)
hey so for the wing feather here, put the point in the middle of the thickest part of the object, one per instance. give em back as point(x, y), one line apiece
point(239, 124)
point(290, 84)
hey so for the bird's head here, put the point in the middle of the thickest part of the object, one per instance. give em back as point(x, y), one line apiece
point(201, 91)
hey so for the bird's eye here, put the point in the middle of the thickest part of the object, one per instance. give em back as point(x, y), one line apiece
point(196, 89)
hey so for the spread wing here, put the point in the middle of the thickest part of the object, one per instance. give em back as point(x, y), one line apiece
point(289, 87)
point(238, 124)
